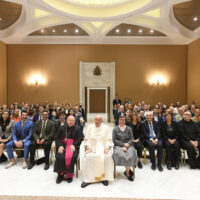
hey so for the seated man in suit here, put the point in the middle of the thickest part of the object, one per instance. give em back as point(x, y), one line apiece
point(21, 138)
point(190, 138)
point(152, 140)
point(43, 134)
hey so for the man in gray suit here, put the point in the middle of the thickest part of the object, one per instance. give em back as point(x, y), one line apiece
point(43, 134)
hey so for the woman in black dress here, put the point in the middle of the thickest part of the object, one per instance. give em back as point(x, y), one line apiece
point(170, 134)
point(135, 124)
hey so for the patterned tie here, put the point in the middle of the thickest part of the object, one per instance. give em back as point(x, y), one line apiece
point(151, 131)
point(43, 130)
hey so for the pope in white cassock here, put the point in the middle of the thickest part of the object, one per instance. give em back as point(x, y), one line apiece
point(98, 165)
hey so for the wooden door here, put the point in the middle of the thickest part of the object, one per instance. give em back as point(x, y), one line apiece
point(97, 101)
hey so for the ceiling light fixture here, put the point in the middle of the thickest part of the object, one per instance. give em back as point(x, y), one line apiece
point(195, 19)
point(76, 30)
point(117, 31)
point(53, 30)
point(129, 30)
point(42, 31)
point(151, 31)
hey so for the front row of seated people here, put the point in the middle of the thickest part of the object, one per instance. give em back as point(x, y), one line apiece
point(102, 150)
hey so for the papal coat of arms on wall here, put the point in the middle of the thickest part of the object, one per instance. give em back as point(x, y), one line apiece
point(97, 71)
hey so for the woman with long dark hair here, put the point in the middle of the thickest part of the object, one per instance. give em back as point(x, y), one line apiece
point(135, 124)
point(6, 129)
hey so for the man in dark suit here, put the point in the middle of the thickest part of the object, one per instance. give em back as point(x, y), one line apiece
point(119, 112)
point(38, 116)
point(117, 100)
point(43, 134)
point(190, 139)
point(21, 137)
point(152, 140)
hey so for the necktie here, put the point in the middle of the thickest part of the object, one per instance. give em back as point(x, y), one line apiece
point(43, 130)
point(151, 131)
point(23, 124)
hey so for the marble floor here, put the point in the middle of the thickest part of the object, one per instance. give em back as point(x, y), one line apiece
point(174, 184)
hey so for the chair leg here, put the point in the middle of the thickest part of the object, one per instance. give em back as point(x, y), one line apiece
point(114, 171)
point(181, 157)
point(145, 155)
point(77, 166)
point(51, 156)
point(184, 163)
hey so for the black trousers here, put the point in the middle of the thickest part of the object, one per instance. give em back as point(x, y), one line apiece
point(138, 146)
point(152, 148)
point(47, 148)
point(172, 151)
point(193, 161)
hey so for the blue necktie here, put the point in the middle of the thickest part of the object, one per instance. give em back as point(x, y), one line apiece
point(151, 131)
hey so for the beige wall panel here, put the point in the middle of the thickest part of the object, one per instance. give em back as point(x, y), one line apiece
point(60, 64)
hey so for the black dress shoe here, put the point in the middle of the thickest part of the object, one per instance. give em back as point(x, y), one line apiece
point(130, 178)
point(69, 180)
point(153, 166)
point(31, 165)
point(160, 168)
point(84, 184)
point(46, 166)
point(140, 165)
point(59, 179)
point(3, 158)
point(130, 172)
point(105, 183)
point(169, 167)
point(177, 165)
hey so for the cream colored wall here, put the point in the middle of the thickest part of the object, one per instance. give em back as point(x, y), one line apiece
point(60, 63)
point(193, 85)
point(3, 73)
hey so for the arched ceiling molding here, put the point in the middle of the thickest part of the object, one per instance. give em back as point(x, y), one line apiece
point(176, 27)
point(108, 27)
point(167, 24)
point(88, 26)
point(11, 30)
point(96, 13)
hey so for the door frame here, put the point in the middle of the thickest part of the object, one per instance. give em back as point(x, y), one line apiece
point(88, 98)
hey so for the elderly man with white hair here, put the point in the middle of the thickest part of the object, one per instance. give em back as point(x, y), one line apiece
point(98, 165)
point(152, 140)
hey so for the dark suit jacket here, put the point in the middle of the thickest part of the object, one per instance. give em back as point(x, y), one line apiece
point(49, 132)
point(116, 101)
point(189, 131)
point(36, 117)
point(172, 135)
point(146, 130)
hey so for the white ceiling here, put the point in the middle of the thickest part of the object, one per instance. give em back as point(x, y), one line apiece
point(97, 20)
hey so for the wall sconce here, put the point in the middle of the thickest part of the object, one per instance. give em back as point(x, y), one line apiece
point(158, 80)
point(37, 80)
